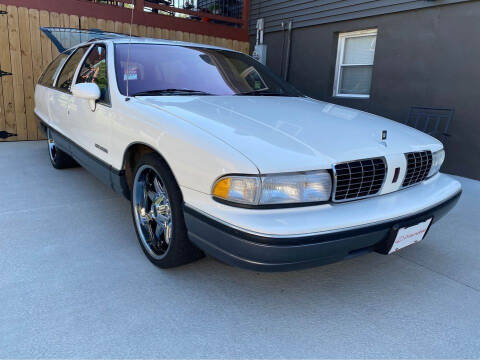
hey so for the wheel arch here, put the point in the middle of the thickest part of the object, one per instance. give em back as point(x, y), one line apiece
point(133, 153)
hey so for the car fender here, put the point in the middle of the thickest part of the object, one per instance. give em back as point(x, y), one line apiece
point(195, 157)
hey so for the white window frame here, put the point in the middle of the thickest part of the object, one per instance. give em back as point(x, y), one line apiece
point(340, 50)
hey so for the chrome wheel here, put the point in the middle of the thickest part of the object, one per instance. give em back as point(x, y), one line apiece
point(52, 150)
point(152, 212)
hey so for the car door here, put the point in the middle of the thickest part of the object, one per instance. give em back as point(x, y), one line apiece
point(61, 97)
point(93, 128)
point(44, 91)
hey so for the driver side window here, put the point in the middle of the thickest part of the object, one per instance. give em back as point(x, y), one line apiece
point(94, 70)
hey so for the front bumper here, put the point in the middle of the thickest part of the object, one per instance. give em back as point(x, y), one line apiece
point(250, 250)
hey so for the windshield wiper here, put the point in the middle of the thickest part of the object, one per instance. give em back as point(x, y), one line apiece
point(170, 92)
point(261, 93)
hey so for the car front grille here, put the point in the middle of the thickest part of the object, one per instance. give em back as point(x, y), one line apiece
point(358, 179)
point(418, 167)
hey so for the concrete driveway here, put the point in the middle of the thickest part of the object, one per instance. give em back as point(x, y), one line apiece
point(74, 283)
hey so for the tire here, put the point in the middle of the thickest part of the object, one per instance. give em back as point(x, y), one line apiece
point(58, 158)
point(157, 211)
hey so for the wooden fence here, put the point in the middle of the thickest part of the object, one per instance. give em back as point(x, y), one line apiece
point(25, 52)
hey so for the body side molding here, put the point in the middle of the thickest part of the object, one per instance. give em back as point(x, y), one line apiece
point(103, 171)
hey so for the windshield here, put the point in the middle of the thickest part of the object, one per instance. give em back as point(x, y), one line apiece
point(168, 69)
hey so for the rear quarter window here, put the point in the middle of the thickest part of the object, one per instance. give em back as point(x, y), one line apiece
point(49, 75)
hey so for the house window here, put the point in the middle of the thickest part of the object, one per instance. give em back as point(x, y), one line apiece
point(353, 72)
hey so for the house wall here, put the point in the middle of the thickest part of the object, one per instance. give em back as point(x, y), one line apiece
point(426, 57)
point(316, 12)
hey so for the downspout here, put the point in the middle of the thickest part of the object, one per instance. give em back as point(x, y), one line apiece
point(289, 46)
point(282, 59)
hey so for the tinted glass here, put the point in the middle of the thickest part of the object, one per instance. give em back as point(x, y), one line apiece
point(94, 70)
point(48, 77)
point(66, 76)
point(218, 72)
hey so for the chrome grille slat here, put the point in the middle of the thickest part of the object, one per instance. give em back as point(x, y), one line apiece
point(371, 185)
point(358, 179)
point(418, 167)
point(361, 181)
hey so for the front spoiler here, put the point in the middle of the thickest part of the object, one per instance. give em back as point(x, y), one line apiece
point(249, 251)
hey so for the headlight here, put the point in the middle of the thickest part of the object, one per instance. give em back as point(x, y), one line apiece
point(277, 189)
point(437, 161)
point(239, 189)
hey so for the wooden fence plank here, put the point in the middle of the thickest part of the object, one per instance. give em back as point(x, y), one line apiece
point(27, 69)
point(126, 28)
point(211, 40)
point(74, 21)
point(142, 30)
point(35, 40)
point(178, 35)
point(16, 59)
point(245, 47)
point(101, 24)
point(135, 30)
point(110, 26)
point(46, 43)
point(64, 21)
point(55, 21)
point(83, 22)
point(92, 23)
point(46, 46)
point(150, 32)
point(37, 61)
point(166, 34)
point(118, 27)
point(2, 110)
point(6, 87)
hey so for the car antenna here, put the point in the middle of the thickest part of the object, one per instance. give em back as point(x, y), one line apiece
point(128, 51)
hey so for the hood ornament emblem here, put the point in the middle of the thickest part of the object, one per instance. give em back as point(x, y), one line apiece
point(384, 138)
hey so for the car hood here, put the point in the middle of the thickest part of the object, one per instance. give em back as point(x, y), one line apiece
point(280, 134)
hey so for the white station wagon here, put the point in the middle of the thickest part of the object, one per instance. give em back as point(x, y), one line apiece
point(220, 156)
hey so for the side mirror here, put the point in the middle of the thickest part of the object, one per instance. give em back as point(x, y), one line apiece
point(87, 91)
